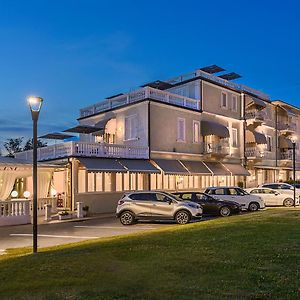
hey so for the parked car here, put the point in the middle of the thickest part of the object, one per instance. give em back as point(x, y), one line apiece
point(134, 206)
point(237, 194)
point(273, 197)
point(210, 205)
point(281, 186)
point(297, 185)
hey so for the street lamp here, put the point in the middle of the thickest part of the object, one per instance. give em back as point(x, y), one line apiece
point(294, 139)
point(35, 104)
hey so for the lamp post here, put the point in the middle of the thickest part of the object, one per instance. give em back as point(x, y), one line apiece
point(35, 104)
point(294, 170)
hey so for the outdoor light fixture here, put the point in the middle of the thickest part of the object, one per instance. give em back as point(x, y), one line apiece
point(14, 194)
point(26, 194)
point(35, 104)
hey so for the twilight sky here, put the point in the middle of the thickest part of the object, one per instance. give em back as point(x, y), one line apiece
point(76, 52)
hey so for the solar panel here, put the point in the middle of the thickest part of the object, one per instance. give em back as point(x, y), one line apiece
point(158, 84)
point(230, 76)
point(212, 69)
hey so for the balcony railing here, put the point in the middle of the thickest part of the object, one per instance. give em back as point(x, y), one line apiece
point(253, 152)
point(85, 149)
point(289, 126)
point(14, 212)
point(288, 155)
point(138, 95)
point(256, 115)
point(216, 148)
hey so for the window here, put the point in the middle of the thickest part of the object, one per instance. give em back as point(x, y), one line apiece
point(269, 143)
point(187, 197)
point(196, 131)
point(142, 197)
point(131, 127)
point(233, 192)
point(181, 130)
point(219, 192)
point(162, 198)
point(224, 100)
point(234, 137)
point(234, 102)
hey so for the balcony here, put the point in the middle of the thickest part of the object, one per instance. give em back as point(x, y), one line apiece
point(139, 95)
point(255, 153)
point(287, 127)
point(216, 149)
point(287, 155)
point(255, 116)
point(84, 149)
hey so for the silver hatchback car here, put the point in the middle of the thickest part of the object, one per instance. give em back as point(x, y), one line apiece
point(134, 206)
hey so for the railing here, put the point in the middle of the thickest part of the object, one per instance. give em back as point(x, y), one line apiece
point(217, 80)
point(219, 148)
point(286, 155)
point(138, 95)
point(14, 212)
point(255, 114)
point(289, 126)
point(86, 149)
point(41, 205)
point(253, 152)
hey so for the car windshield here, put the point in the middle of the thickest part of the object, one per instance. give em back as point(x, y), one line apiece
point(176, 197)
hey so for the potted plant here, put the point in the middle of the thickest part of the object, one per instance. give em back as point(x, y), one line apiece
point(85, 210)
point(64, 215)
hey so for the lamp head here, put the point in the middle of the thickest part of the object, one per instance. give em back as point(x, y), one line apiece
point(35, 104)
point(293, 138)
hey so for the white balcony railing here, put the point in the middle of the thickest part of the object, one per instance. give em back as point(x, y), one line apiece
point(255, 114)
point(69, 149)
point(138, 95)
point(254, 152)
point(218, 148)
point(14, 212)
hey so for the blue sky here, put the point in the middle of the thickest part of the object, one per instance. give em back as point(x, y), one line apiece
point(75, 53)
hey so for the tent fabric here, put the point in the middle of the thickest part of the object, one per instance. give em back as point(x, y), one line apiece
point(138, 165)
point(236, 169)
point(171, 167)
point(217, 168)
point(285, 143)
point(102, 165)
point(213, 128)
point(196, 167)
point(255, 137)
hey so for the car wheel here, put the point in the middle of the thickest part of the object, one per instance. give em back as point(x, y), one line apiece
point(288, 202)
point(253, 206)
point(225, 211)
point(182, 217)
point(127, 218)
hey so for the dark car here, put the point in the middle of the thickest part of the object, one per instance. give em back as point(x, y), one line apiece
point(211, 206)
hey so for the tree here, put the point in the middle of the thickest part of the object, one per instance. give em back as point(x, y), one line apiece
point(29, 144)
point(13, 146)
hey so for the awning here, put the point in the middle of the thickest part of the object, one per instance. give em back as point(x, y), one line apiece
point(196, 167)
point(213, 128)
point(255, 137)
point(217, 168)
point(285, 143)
point(101, 125)
point(257, 102)
point(289, 111)
point(56, 136)
point(236, 169)
point(86, 129)
point(172, 167)
point(102, 165)
point(138, 165)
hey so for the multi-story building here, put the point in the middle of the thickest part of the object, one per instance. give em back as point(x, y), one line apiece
point(189, 132)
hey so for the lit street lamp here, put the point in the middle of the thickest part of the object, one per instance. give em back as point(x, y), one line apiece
point(35, 104)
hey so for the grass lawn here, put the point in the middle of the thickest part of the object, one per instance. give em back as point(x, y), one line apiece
point(251, 256)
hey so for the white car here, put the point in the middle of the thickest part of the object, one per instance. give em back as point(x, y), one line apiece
point(274, 197)
point(237, 194)
point(281, 187)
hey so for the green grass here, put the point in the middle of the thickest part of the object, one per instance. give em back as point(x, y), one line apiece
point(252, 256)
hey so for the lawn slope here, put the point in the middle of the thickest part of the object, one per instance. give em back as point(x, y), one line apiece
point(251, 256)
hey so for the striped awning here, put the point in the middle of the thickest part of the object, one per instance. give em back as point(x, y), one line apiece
point(102, 165)
point(255, 137)
point(138, 165)
point(236, 169)
point(217, 168)
point(196, 167)
point(285, 143)
point(171, 167)
point(213, 128)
